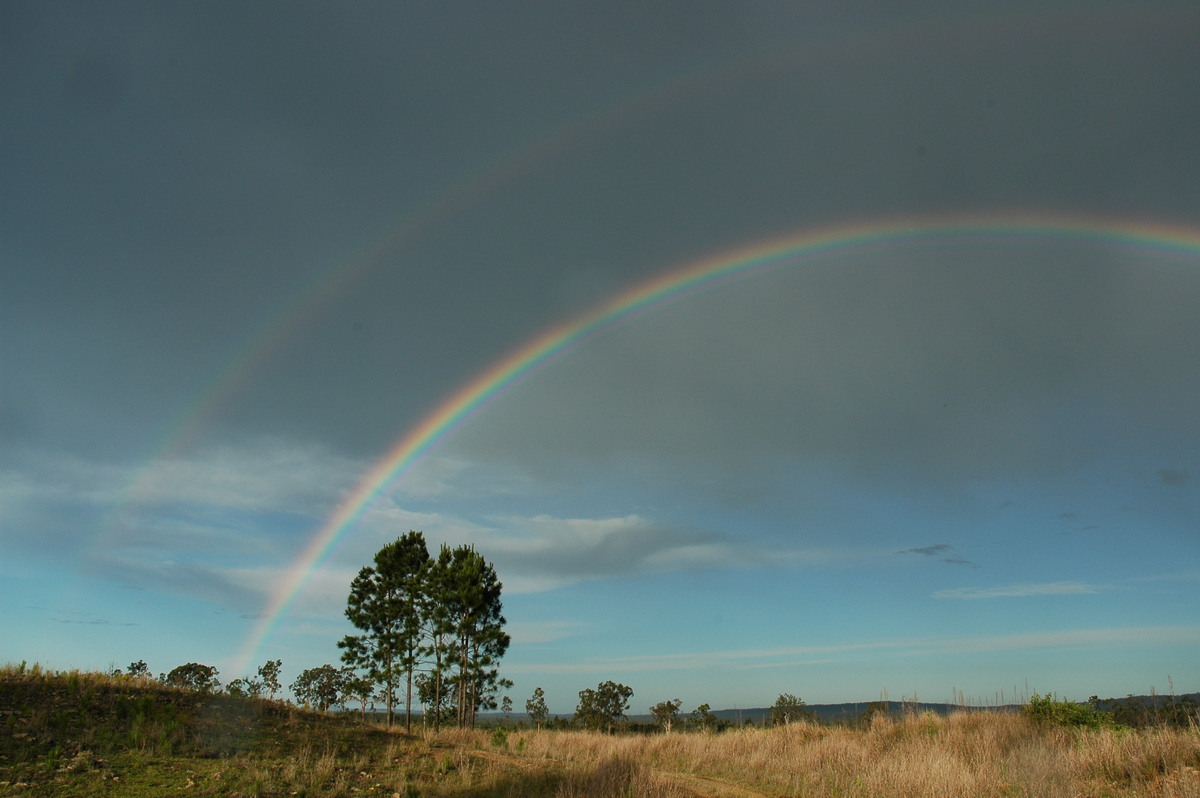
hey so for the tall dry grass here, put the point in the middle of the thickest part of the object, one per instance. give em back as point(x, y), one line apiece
point(82, 731)
point(960, 756)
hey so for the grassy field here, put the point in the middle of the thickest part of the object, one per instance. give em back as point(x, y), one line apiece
point(81, 734)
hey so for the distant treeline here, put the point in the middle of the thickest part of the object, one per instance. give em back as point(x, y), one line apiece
point(1135, 711)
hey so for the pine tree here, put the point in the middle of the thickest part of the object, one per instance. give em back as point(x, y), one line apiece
point(444, 614)
point(386, 602)
point(469, 595)
point(536, 707)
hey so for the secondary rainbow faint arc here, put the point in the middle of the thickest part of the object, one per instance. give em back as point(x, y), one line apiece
point(668, 287)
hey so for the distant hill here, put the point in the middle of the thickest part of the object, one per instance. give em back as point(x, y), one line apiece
point(834, 713)
point(823, 713)
point(853, 710)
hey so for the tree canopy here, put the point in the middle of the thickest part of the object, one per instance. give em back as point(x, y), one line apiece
point(321, 687)
point(436, 623)
point(194, 676)
point(388, 602)
point(603, 707)
point(665, 713)
point(788, 709)
point(536, 707)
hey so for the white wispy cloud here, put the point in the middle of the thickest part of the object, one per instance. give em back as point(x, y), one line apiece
point(1018, 591)
point(595, 547)
point(181, 578)
point(901, 647)
point(543, 552)
point(694, 660)
point(1117, 636)
point(532, 632)
point(1181, 576)
point(182, 501)
point(260, 474)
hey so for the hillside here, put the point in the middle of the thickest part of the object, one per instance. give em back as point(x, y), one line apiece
point(83, 735)
point(105, 732)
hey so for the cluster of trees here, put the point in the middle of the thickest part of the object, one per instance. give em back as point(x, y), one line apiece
point(666, 714)
point(203, 678)
point(321, 687)
point(604, 707)
point(430, 628)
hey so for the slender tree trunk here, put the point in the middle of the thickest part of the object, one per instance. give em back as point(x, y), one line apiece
point(389, 688)
point(462, 689)
point(408, 698)
point(437, 688)
point(473, 683)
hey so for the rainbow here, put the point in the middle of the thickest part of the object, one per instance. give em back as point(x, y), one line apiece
point(669, 287)
point(519, 158)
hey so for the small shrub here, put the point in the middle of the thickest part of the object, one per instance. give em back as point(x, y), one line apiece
point(1044, 709)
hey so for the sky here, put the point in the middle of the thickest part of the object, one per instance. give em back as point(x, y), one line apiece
point(822, 348)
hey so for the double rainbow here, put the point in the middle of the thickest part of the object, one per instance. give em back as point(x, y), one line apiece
point(673, 286)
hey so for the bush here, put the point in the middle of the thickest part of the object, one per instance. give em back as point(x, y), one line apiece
point(1044, 709)
point(194, 676)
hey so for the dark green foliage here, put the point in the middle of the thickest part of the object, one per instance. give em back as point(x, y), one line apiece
point(788, 709)
point(139, 669)
point(359, 688)
point(244, 688)
point(665, 713)
point(269, 673)
point(194, 676)
point(1155, 710)
point(1044, 709)
point(320, 687)
point(703, 718)
point(875, 708)
point(388, 602)
point(536, 707)
point(468, 595)
point(442, 616)
point(603, 707)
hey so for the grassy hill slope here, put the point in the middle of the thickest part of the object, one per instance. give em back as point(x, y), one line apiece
point(82, 735)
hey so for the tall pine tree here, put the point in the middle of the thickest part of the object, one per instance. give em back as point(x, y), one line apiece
point(475, 625)
point(442, 616)
point(387, 603)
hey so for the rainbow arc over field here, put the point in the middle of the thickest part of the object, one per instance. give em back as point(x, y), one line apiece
point(672, 286)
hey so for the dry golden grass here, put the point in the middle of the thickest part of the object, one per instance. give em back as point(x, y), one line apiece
point(967, 755)
point(84, 735)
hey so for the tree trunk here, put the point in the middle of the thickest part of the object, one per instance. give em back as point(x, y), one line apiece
point(408, 700)
point(389, 687)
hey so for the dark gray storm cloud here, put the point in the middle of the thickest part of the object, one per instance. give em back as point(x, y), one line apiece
point(1173, 476)
point(245, 247)
point(935, 364)
point(180, 178)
